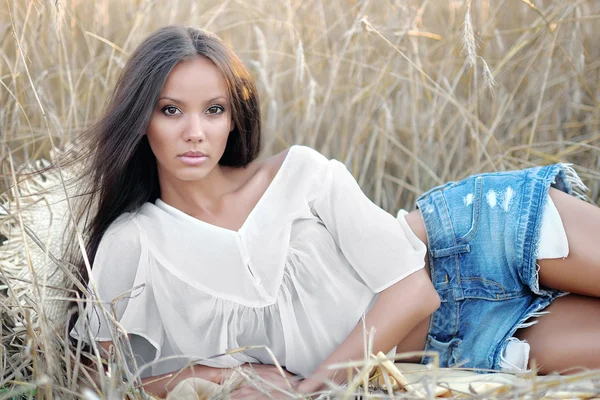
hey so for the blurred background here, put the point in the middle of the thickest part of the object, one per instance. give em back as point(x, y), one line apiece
point(409, 94)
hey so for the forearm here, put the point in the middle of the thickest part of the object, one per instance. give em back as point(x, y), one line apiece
point(395, 313)
point(160, 385)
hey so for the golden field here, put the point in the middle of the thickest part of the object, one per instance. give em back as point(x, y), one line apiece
point(409, 94)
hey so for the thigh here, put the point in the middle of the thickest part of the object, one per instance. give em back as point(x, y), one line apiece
point(567, 337)
point(580, 271)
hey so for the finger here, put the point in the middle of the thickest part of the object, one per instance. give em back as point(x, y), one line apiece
point(243, 393)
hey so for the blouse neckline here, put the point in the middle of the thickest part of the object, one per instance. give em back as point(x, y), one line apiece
point(178, 213)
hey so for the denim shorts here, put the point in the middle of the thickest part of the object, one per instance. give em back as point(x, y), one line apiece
point(483, 233)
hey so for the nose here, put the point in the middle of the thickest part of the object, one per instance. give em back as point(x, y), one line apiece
point(194, 131)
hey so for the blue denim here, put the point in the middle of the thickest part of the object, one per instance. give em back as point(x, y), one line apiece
point(483, 233)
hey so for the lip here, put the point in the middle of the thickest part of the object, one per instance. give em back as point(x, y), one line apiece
point(193, 153)
point(193, 157)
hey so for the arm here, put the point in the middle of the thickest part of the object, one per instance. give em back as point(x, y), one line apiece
point(387, 256)
point(397, 310)
point(160, 385)
point(119, 272)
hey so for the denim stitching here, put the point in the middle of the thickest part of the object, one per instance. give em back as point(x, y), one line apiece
point(483, 280)
point(451, 251)
point(476, 209)
point(456, 266)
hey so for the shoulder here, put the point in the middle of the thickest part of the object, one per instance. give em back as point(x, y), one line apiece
point(296, 158)
point(119, 259)
point(299, 151)
point(302, 158)
point(311, 160)
point(121, 246)
point(123, 230)
point(123, 223)
point(306, 153)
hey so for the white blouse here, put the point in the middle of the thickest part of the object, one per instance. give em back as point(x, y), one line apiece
point(296, 277)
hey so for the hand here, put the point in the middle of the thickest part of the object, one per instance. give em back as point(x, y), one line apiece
point(258, 389)
point(310, 385)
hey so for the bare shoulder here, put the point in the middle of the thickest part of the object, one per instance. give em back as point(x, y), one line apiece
point(273, 163)
point(279, 158)
point(263, 170)
point(303, 152)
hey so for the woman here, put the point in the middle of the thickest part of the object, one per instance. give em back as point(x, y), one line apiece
point(205, 248)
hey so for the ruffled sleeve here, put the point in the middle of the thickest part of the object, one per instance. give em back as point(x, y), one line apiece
point(123, 279)
point(372, 240)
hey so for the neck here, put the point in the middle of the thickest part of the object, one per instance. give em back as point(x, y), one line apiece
point(204, 195)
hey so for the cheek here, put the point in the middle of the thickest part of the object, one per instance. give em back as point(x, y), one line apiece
point(159, 137)
point(161, 130)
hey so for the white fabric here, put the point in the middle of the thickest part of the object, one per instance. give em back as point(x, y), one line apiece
point(553, 238)
point(553, 244)
point(297, 276)
point(516, 356)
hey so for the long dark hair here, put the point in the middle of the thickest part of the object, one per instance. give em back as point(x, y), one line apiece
point(121, 173)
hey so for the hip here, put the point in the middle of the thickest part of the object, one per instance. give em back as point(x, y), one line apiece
point(482, 235)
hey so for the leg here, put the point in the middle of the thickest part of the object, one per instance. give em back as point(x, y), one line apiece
point(580, 271)
point(567, 337)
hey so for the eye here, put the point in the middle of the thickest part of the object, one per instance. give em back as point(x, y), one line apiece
point(170, 110)
point(215, 109)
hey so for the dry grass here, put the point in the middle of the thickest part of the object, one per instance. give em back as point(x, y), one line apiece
point(409, 94)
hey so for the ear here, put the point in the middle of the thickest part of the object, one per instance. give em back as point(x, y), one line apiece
point(231, 125)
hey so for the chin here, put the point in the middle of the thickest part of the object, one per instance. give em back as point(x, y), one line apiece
point(190, 176)
point(186, 173)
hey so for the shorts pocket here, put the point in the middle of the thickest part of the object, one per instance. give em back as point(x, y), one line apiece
point(463, 203)
point(479, 287)
point(486, 213)
point(449, 352)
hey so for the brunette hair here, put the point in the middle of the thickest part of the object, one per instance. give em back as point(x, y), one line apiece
point(121, 172)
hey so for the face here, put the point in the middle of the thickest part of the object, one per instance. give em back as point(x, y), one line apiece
point(191, 122)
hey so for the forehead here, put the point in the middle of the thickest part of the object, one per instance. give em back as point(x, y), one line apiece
point(193, 78)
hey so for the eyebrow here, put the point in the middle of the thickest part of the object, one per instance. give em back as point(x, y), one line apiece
point(181, 102)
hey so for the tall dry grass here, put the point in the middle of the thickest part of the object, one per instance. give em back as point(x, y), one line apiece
point(408, 93)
